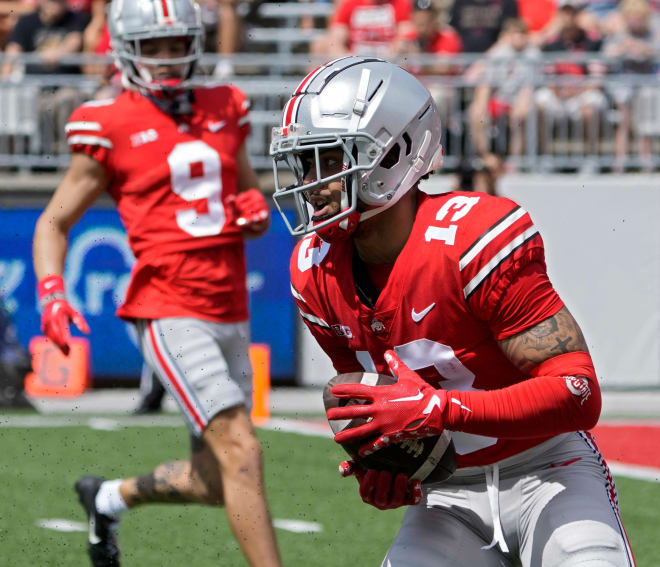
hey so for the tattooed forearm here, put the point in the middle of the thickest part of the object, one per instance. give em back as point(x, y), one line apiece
point(557, 335)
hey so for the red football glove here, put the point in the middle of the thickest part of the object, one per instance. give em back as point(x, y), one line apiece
point(251, 210)
point(408, 409)
point(380, 489)
point(56, 312)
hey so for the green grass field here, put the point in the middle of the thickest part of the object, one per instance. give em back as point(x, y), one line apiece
point(38, 467)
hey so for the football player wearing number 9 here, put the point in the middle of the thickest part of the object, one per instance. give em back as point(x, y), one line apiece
point(450, 294)
point(172, 155)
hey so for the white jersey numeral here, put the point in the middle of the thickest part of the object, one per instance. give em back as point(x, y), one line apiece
point(422, 353)
point(195, 171)
point(309, 256)
point(461, 206)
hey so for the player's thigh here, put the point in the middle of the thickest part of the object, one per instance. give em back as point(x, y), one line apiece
point(575, 519)
point(196, 367)
point(234, 341)
point(437, 537)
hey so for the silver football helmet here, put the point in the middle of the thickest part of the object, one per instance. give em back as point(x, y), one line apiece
point(383, 119)
point(132, 21)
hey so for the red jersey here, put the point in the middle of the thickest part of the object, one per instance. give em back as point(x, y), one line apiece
point(372, 25)
point(440, 309)
point(170, 177)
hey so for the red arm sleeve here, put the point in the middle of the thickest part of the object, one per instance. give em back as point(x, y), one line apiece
point(561, 395)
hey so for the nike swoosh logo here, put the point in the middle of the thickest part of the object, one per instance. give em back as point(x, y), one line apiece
point(215, 126)
point(49, 284)
point(93, 538)
point(417, 317)
point(410, 398)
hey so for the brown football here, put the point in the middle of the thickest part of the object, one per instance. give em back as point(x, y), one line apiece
point(430, 459)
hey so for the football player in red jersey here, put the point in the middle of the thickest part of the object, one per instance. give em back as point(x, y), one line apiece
point(173, 158)
point(450, 294)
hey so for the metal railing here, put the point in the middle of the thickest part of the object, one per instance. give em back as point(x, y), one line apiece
point(33, 109)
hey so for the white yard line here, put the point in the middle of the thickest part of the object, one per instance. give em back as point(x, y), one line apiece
point(69, 526)
point(634, 471)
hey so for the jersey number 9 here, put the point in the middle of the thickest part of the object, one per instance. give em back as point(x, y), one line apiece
point(196, 174)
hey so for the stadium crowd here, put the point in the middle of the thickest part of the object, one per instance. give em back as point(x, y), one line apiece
point(586, 71)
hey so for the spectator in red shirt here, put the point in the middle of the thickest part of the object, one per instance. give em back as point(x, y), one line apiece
point(365, 27)
point(427, 34)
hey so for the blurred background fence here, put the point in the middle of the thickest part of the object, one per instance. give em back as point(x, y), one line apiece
point(577, 132)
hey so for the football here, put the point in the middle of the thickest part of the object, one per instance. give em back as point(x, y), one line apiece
point(430, 459)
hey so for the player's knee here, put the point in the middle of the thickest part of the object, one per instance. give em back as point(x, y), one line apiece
point(587, 542)
point(240, 454)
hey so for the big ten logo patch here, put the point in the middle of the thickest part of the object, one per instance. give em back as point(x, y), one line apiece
point(342, 331)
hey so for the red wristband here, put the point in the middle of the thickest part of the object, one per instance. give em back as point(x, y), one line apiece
point(50, 288)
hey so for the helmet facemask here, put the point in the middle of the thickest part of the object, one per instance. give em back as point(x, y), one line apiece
point(174, 81)
point(136, 65)
point(131, 24)
point(295, 152)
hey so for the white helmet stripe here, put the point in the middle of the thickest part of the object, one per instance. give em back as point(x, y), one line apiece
point(360, 99)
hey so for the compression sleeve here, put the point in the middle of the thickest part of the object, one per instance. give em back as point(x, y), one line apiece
point(561, 395)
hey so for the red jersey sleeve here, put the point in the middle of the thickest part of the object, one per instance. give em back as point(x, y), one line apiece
point(503, 270)
point(330, 338)
point(87, 133)
point(242, 106)
point(528, 300)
